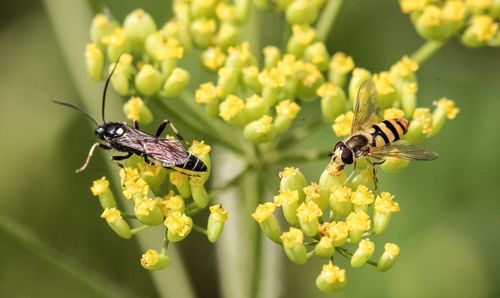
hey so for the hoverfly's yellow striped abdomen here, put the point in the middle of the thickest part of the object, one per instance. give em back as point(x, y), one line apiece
point(388, 131)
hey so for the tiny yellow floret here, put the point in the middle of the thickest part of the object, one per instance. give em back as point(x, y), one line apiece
point(219, 214)
point(230, 107)
point(342, 63)
point(272, 78)
point(143, 206)
point(332, 274)
point(111, 215)
point(385, 203)
point(393, 113)
point(304, 35)
point(449, 107)
point(263, 211)
point(292, 237)
point(264, 124)
point(454, 10)
point(309, 211)
point(99, 186)
point(431, 17)
point(392, 249)
point(383, 83)
point(199, 148)
point(178, 223)
point(287, 108)
point(340, 193)
point(287, 197)
point(206, 93)
point(408, 6)
point(177, 178)
point(133, 108)
point(362, 196)
point(150, 258)
point(358, 221)
point(342, 125)
point(425, 117)
point(484, 27)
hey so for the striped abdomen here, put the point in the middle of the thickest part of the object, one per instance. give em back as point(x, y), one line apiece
point(388, 131)
point(193, 164)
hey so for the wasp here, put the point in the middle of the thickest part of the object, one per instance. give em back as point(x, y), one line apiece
point(375, 140)
point(118, 136)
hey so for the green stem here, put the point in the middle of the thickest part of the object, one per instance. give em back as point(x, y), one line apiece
point(327, 18)
point(348, 255)
point(164, 246)
point(256, 195)
point(199, 229)
point(427, 50)
point(29, 241)
point(139, 229)
point(302, 156)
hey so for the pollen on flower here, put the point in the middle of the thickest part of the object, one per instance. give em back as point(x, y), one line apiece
point(337, 231)
point(144, 205)
point(449, 107)
point(254, 102)
point(358, 221)
point(219, 214)
point(225, 12)
point(272, 78)
point(203, 25)
point(169, 48)
point(305, 35)
point(484, 27)
point(454, 10)
point(115, 40)
point(392, 113)
point(366, 246)
point(288, 65)
point(362, 196)
point(264, 124)
point(332, 274)
point(170, 203)
point(133, 108)
point(340, 193)
point(230, 107)
point(478, 5)
point(425, 117)
point(135, 188)
point(92, 52)
point(309, 211)
point(196, 181)
point(99, 186)
point(286, 197)
point(392, 249)
point(287, 108)
point(310, 74)
point(408, 6)
point(177, 179)
point(341, 63)
point(292, 237)
point(288, 172)
point(178, 223)
point(333, 169)
point(128, 175)
point(312, 191)
point(431, 17)
point(263, 211)
point(206, 93)
point(404, 67)
point(147, 170)
point(213, 58)
point(111, 215)
point(410, 88)
point(384, 83)
point(385, 203)
point(150, 258)
point(343, 123)
point(199, 148)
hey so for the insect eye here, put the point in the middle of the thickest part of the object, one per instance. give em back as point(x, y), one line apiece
point(347, 156)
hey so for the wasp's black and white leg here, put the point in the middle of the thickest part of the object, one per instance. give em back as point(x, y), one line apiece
point(149, 162)
point(136, 124)
point(91, 152)
point(121, 157)
point(162, 126)
point(374, 170)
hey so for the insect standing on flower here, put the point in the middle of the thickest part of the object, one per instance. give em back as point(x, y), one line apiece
point(168, 153)
point(375, 140)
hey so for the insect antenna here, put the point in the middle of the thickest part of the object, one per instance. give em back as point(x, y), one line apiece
point(106, 88)
point(69, 105)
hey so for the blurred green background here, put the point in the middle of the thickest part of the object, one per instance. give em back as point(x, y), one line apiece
point(447, 230)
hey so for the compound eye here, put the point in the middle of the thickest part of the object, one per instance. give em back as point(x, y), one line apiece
point(347, 157)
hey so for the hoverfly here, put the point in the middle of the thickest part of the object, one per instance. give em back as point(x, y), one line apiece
point(375, 140)
point(169, 153)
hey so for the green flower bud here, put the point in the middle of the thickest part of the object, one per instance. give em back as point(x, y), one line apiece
point(445, 108)
point(154, 176)
point(218, 216)
point(202, 31)
point(178, 30)
point(198, 191)
point(101, 26)
point(394, 165)
point(317, 54)
point(286, 112)
point(232, 110)
point(293, 243)
point(203, 8)
point(431, 24)
point(138, 25)
point(182, 11)
point(213, 58)
point(272, 56)
point(331, 278)
point(289, 202)
point(179, 225)
point(181, 182)
point(333, 101)
point(481, 30)
point(116, 222)
point(152, 260)
point(267, 221)
point(386, 90)
point(101, 189)
point(176, 82)
point(359, 76)
point(293, 179)
point(250, 78)
point(409, 99)
point(314, 194)
point(261, 130)
point(365, 177)
point(227, 81)
point(308, 215)
point(363, 253)
point(382, 211)
point(301, 12)
point(94, 61)
point(358, 222)
point(148, 80)
point(389, 257)
point(337, 231)
point(148, 212)
point(302, 36)
point(340, 200)
point(208, 95)
point(227, 36)
point(117, 43)
point(136, 110)
point(340, 65)
point(324, 248)
point(310, 79)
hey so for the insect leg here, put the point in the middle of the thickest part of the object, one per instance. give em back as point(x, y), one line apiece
point(146, 160)
point(350, 175)
point(162, 126)
point(373, 164)
point(91, 152)
point(136, 124)
point(121, 157)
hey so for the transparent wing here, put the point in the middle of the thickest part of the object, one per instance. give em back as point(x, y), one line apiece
point(403, 151)
point(365, 106)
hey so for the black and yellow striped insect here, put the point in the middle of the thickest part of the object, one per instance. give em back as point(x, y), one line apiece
point(375, 140)
point(167, 152)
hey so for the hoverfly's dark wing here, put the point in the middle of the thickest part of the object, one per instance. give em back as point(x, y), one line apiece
point(167, 152)
point(403, 151)
point(365, 106)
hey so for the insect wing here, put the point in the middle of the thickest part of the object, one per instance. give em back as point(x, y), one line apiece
point(403, 151)
point(167, 152)
point(365, 106)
